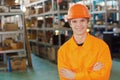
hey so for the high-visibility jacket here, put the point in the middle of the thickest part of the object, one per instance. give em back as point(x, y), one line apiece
point(81, 59)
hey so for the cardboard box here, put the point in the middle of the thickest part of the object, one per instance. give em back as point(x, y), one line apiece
point(17, 45)
point(11, 27)
point(32, 36)
point(6, 48)
point(9, 2)
point(18, 63)
point(39, 10)
point(51, 54)
point(1, 48)
point(8, 41)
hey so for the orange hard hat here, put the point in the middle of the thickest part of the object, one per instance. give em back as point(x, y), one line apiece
point(78, 11)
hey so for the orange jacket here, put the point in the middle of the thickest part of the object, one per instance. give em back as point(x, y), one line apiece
point(81, 59)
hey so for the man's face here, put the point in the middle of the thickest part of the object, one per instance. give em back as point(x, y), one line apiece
point(79, 26)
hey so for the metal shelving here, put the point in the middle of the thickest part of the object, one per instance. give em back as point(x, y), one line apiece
point(12, 27)
point(45, 32)
point(35, 3)
point(11, 51)
point(10, 13)
point(10, 32)
point(17, 33)
point(104, 14)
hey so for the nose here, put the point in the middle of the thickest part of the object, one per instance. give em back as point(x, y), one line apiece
point(79, 23)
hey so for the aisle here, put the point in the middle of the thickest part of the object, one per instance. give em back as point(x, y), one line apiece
point(42, 70)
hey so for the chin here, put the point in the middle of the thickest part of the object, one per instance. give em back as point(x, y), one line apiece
point(81, 33)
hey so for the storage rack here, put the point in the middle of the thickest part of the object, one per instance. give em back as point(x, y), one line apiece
point(101, 11)
point(42, 42)
point(19, 32)
point(18, 35)
point(104, 15)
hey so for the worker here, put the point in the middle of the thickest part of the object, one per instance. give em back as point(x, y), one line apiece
point(83, 56)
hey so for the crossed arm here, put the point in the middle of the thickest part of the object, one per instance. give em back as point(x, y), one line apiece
point(70, 75)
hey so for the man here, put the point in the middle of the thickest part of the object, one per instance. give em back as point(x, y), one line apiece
point(83, 56)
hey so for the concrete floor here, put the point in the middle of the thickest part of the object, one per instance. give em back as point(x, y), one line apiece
point(115, 74)
point(42, 70)
point(45, 70)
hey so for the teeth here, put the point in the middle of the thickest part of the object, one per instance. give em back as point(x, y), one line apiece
point(78, 28)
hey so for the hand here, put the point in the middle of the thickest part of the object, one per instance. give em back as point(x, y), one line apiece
point(67, 74)
point(98, 66)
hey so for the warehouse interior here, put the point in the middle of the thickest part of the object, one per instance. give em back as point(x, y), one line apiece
point(32, 31)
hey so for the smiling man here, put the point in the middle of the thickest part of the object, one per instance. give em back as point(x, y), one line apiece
point(83, 56)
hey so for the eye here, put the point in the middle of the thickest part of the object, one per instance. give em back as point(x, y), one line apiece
point(73, 21)
point(83, 20)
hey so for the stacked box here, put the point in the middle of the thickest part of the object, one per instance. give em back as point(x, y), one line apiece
point(11, 27)
point(8, 41)
point(9, 2)
point(17, 45)
point(1, 48)
point(18, 63)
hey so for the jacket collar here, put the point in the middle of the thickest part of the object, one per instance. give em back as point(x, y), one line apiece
point(86, 45)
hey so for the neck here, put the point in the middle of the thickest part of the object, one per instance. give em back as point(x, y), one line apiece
point(80, 38)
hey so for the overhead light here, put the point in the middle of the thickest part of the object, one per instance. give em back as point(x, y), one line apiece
point(36, 7)
point(56, 32)
point(16, 1)
point(40, 18)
